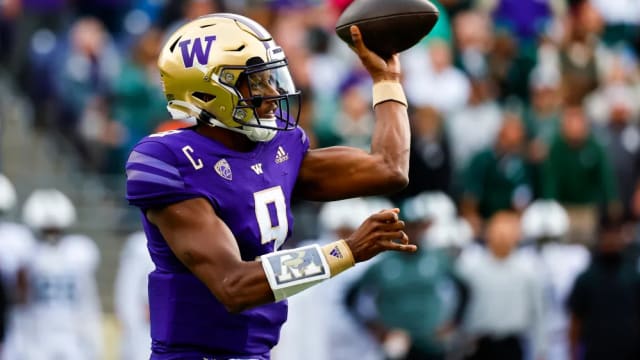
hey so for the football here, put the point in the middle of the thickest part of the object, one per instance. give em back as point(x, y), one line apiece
point(388, 26)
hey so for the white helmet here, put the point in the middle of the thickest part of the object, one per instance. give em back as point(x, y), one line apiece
point(7, 194)
point(430, 206)
point(48, 209)
point(454, 232)
point(544, 218)
point(349, 213)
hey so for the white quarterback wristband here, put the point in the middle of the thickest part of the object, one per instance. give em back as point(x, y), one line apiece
point(388, 91)
point(292, 271)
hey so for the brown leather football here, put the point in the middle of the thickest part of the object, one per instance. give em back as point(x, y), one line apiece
point(388, 26)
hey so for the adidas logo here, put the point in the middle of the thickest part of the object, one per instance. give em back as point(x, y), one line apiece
point(335, 252)
point(281, 155)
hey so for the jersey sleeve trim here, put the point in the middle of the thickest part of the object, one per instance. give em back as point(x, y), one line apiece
point(141, 175)
point(153, 177)
point(140, 158)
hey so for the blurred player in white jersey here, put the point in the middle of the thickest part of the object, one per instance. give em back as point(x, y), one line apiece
point(16, 242)
point(330, 332)
point(64, 315)
point(545, 225)
point(131, 298)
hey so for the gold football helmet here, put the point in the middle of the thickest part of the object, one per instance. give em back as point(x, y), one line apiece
point(206, 61)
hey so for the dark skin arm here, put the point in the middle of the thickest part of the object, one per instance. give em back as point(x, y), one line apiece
point(341, 172)
point(206, 246)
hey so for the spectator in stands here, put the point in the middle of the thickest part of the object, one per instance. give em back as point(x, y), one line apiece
point(622, 144)
point(430, 162)
point(352, 124)
point(497, 178)
point(137, 100)
point(578, 174)
point(31, 16)
point(327, 75)
point(518, 26)
point(83, 78)
point(616, 90)
point(542, 119)
point(605, 300)
point(473, 35)
point(505, 295)
point(433, 64)
point(482, 117)
point(581, 51)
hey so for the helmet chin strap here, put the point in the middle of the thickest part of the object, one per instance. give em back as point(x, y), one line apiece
point(253, 133)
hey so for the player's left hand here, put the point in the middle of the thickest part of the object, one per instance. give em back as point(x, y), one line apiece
point(382, 231)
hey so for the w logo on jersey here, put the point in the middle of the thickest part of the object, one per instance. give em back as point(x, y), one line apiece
point(257, 168)
point(196, 50)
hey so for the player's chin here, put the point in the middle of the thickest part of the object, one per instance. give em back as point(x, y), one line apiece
point(269, 116)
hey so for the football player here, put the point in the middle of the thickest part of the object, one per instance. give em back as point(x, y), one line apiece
point(215, 198)
point(545, 227)
point(64, 316)
point(16, 242)
point(131, 300)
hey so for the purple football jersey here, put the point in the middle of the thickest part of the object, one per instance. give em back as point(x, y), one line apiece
point(251, 193)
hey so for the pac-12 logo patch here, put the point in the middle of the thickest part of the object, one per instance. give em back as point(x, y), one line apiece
point(223, 169)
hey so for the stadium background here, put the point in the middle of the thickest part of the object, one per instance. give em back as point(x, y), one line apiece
point(78, 88)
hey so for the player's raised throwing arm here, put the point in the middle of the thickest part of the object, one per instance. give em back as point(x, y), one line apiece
point(340, 172)
point(206, 246)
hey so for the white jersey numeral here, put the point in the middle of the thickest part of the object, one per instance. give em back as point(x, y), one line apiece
point(269, 232)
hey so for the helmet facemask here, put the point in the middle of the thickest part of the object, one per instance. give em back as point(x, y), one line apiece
point(264, 83)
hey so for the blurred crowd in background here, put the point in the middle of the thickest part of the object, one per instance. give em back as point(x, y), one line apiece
point(524, 186)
